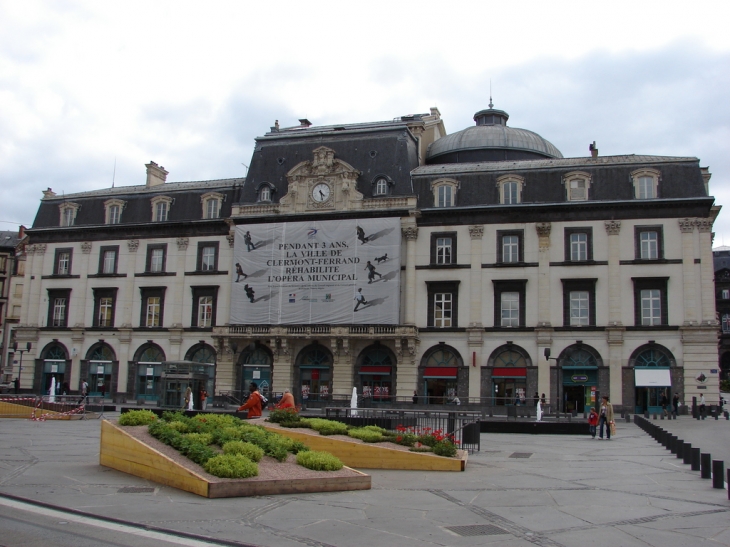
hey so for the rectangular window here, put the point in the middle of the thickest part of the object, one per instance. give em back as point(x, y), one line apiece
point(578, 244)
point(509, 193)
point(108, 259)
point(510, 309)
point(212, 208)
point(204, 306)
point(509, 303)
point(443, 250)
point(265, 193)
point(58, 302)
point(649, 242)
point(442, 310)
point(156, 258)
point(725, 294)
point(579, 308)
point(443, 300)
point(381, 187)
point(207, 256)
point(62, 263)
point(445, 196)
point(68, 217)
point(510, 249)
point(115, 214)
point(104, 301)
point(153, 307)
point(646, 188)
point(152, 313)
point(578, 190)
point(726, 323)
point(650, 301)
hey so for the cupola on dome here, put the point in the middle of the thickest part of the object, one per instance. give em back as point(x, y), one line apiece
point(490, 140)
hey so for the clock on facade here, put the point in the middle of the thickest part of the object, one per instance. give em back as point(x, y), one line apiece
point(321, 192)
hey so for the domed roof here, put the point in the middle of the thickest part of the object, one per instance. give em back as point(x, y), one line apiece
point(491, 133)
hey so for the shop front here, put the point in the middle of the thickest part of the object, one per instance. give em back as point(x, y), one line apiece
point(509, 385)
point(376, 383)
point(652, 383)
point(579, 388)
point(440, 384)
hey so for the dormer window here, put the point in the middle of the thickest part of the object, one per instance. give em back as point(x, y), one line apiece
point(444, 192)
point(68, 213)
point(113, 211)
point(265, 192)
point(646, 183)
point(577, 184)
point(161, 208)
point(510, 189)
point(212, 202)
point(381, 185)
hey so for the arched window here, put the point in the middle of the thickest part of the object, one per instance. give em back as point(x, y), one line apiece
point(315, 373)
point(149, 360)
point(55, 353)
point(440, 373)
point(442, 358)
point(202, 353)
point(254, 365)
point(579, 358)
point(150, 354)
point(652, 357)
point(509, 375)
point(101, 352)
point(376, 374)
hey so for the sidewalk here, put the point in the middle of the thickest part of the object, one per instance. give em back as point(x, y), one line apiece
point(520, 490)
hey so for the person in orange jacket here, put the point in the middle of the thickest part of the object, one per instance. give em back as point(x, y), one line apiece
point(287, 400)
point(255, 403)
point(592, 422)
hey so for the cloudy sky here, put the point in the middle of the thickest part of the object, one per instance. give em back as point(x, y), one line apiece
point(87, 84)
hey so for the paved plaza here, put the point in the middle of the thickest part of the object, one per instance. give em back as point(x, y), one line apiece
point(520, 490)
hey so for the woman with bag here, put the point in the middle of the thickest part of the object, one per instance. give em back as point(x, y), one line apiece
point(606, 418)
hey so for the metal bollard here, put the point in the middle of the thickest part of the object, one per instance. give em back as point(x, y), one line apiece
point(728, 483)
point(628, 419)
point(673, 444)
point(662, 416)
point(680, 448)
point(653, 416)
point(695, 459)
point(718, 474)
point(705, 466)
point(687, 453)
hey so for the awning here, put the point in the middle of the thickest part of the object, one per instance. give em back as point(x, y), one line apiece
point(381, 371)
point(509, 372)
point(652, 377)
point(440, 372)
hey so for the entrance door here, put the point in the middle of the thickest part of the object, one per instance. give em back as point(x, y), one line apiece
point(576, 398)
point(440, 390)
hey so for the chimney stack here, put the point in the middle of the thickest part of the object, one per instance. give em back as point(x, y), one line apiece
point(305, 122)
point(594, 150)
point(156, 175)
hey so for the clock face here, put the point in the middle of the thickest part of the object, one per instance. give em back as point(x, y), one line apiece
point(321, 192)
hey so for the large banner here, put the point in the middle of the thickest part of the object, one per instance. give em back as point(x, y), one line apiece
point(335, 271)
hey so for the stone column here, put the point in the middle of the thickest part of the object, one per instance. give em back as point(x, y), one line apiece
point(127, 296)
point(342, 362)
point(410, 232)
point(686, 227)
point(476, 328)
point(707, 272)
point(32, 296)
point(613, 228)
point(83, 269)
point(543, 274)
point(175, 297)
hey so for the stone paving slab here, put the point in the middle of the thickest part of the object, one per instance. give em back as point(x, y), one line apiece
point(571, 490)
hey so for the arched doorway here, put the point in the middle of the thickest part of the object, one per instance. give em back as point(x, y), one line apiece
point(54, 363)
point(578, 365)
point(148, 366)
point(255, 365)
point(508, 368)
point(98, 368)
point(203, 353)
point(313, 371)
point(442, 375)
point(652, 377)
point(375, 374)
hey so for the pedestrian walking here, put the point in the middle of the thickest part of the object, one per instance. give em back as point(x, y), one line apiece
point(702, 405)
point(415, 397)
point(592, 422)
point(360, 298)
point(84, 391)
point(371, 272)
point(675, 405)
point(665, 403)
point(255, 403)
point(188, 404)
point(605, 418)
point(203, 399)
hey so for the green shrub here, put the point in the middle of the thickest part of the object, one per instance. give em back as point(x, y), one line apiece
point(137, 417)
point(445, 448)
point(427, 440)
point(298, 423)
point(203, 438)
point(216, 421)
point(327, 427)
point(173, 416)
point(295, 447)
point(250, 451)
point(406, 439)
point(283, 415)
point(231, 466)
point(181, 427)
point(198, 452)
point(375, 428)
point(366, 435)
point(319, 461)
point(420, 449)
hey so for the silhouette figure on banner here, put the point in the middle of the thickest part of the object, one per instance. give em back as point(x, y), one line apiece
point(361, 235)
point(360, 299)
point(249, 292)
point(249, 242)
point(371, 272)
point(380, 259)
point(239, 272)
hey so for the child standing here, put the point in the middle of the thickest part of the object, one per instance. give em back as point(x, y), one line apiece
point(593, 422)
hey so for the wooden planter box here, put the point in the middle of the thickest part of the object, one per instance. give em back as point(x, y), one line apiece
point(357, 454)
point(122, 452)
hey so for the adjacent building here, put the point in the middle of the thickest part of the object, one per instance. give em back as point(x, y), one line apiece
point(391, 257)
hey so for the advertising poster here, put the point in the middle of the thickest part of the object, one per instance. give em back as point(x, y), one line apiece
point(336, 271)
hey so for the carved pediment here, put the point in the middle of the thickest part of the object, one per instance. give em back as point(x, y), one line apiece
point(322, 183)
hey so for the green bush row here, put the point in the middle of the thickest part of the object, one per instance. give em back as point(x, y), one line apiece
point(319, 461)
point(137, 417)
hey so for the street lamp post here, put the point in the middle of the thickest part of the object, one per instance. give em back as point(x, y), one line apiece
point(28, 346)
